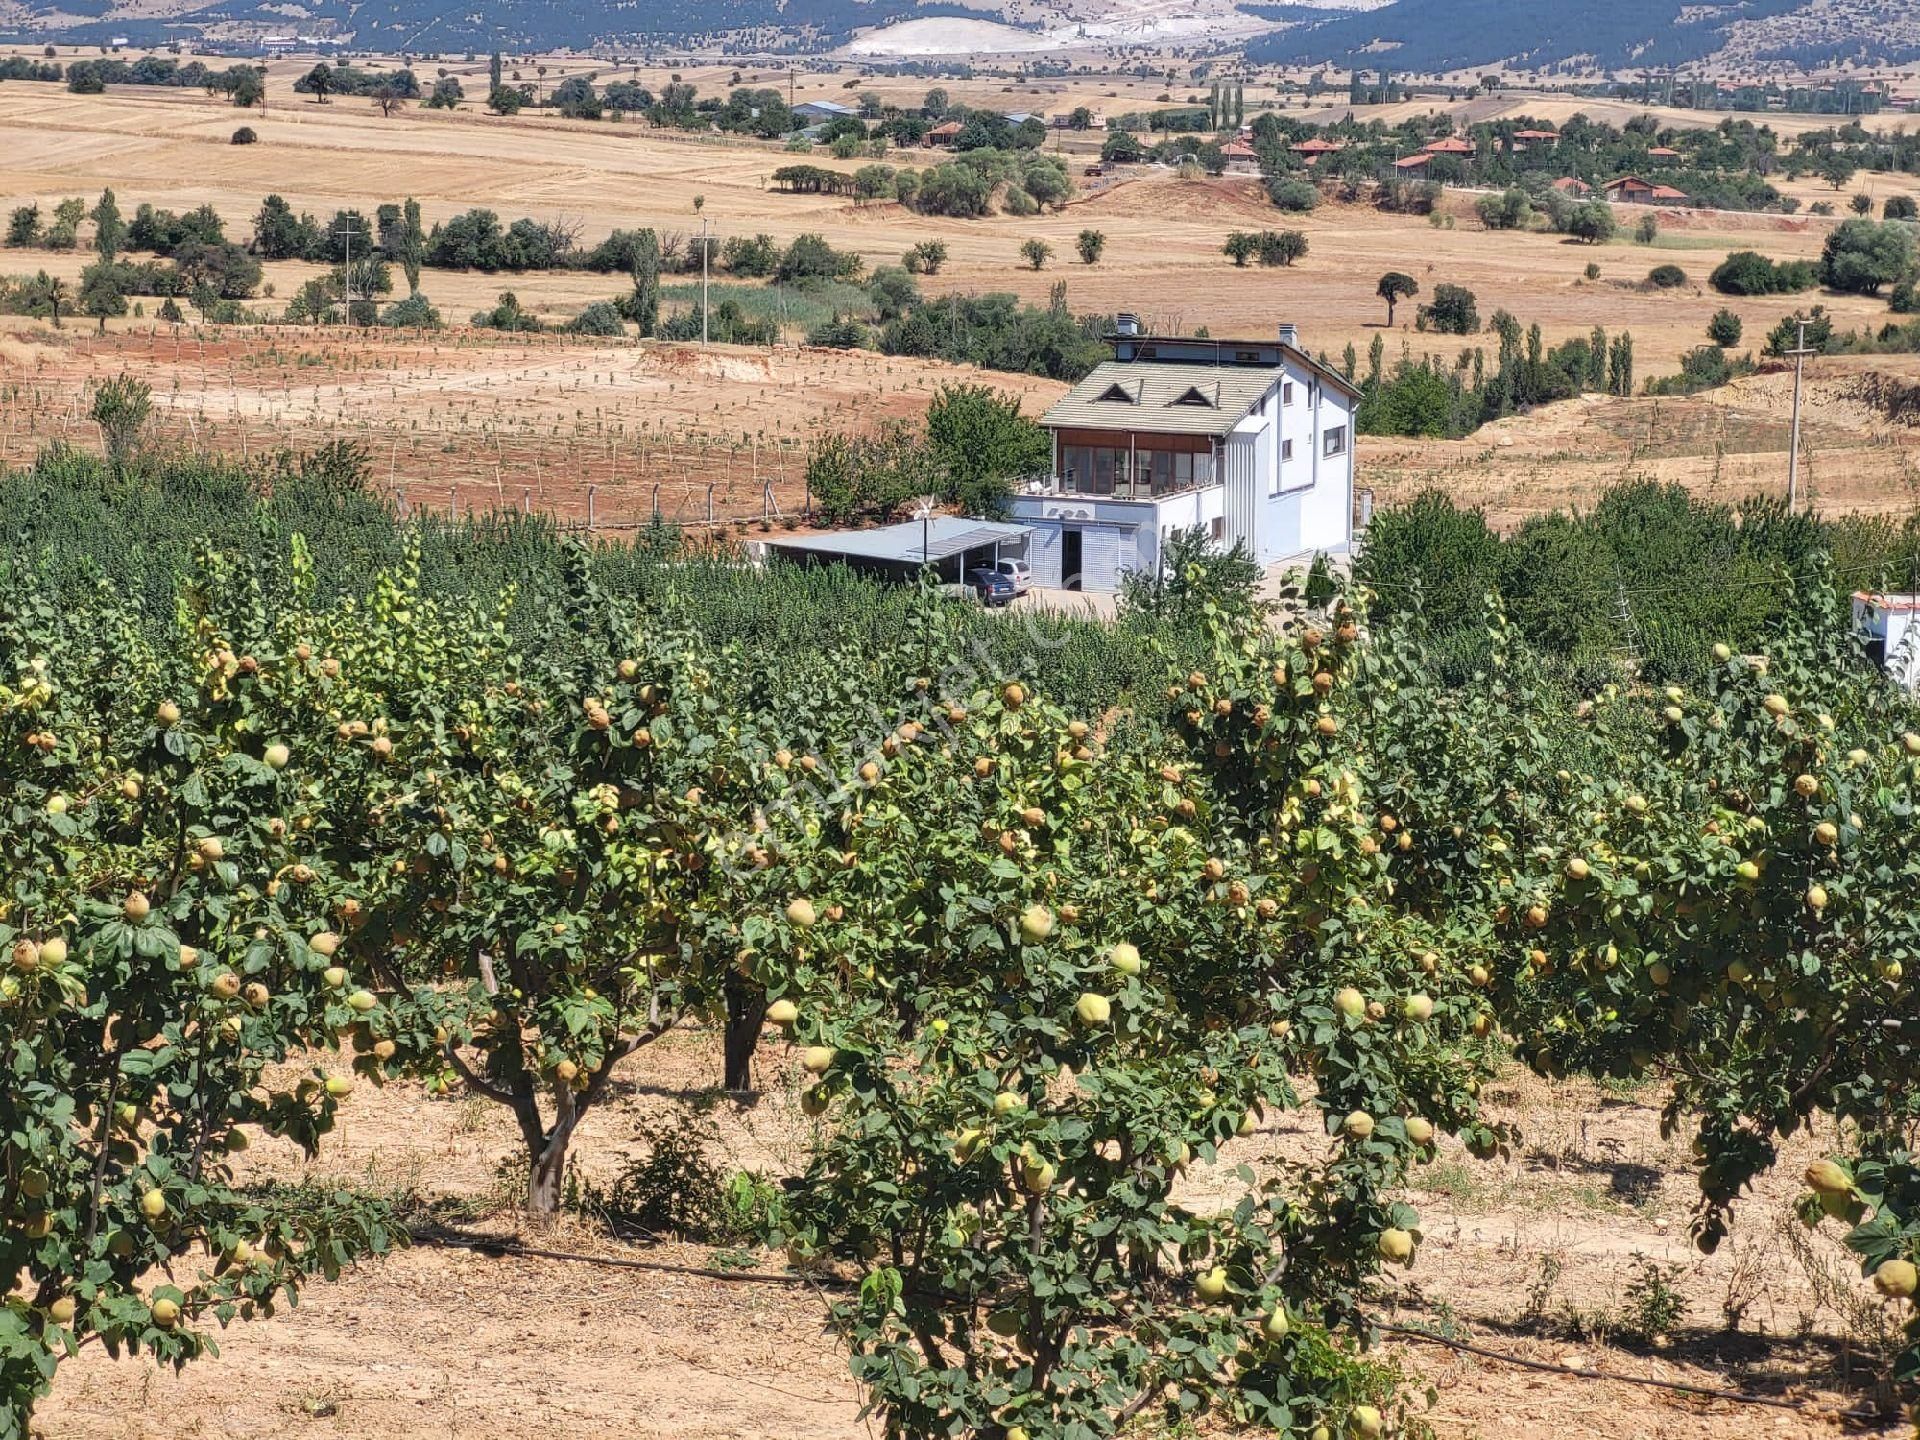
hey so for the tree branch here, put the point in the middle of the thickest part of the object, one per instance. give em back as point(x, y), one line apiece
point(472, 1078)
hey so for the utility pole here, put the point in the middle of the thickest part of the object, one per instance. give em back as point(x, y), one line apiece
point(703, 280)
point(346, 270)
point(1800, 353)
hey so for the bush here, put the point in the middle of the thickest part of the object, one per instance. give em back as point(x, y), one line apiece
point(1724, 328)
point(1705, 367)
point(601, 318)
point(507, 315)
point(753, 256)
point(1281, 247)
point(1452, 311)
point(675, 1190)
point(1036, 252)
point(810, 258)
point(925, 258)
point(412, 313)
point(1861, 256)
point(1666, 277)
point(1592, 222)
point(1510, 210)
point(842, 332)
point(1901, 207)
point(1746, 272)
point(1786, 334)
point(245, 136)
point(1295, 196)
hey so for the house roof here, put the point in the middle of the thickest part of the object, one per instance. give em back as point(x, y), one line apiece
point(944, 537)
point(1160, 397)
point(1667, 192)
point(1628, 182)
point(1572, 185)
point(947, 127)
point(1666, 152)
point(1451, 145)
point(1317, 147)
point(1412, 162)
point(1536, 134)
point(1238, 150)
point(830, 107)
point(1906, 604)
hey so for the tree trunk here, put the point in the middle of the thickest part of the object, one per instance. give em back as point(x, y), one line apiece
point(746, 1013)
point(546, 1145)
point(547, 1177)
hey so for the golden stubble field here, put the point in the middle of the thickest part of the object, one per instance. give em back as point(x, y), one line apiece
point(1163, 235)
point(1530, 1255)
point(505, 420)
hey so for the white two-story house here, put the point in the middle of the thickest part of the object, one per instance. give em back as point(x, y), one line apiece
point(1249, 440)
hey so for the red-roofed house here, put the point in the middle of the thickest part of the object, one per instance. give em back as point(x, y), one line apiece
point(1241, 157)
point(1570, 185)
point(1632, 190)
point(945, 133)
point(1525, 140)
point(1663, 153)
point(1412, 162)
point(1313, 149)
point(1451, 145)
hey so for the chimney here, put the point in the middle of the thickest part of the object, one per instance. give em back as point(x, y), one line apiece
point(1126, 323)
point(1290, 335)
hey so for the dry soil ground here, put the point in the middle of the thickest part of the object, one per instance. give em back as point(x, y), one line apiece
point(506, 420)
point(1724, 444)
point(1529, 1255)
point(484, 421)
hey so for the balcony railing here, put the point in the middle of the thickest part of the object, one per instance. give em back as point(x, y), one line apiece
point(1119, 489)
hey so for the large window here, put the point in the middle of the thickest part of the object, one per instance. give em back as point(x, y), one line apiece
point(1335, 442)
point(1133, 473)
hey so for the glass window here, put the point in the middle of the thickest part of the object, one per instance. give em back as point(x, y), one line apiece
point(1079, 468)
point(1336, 440)
point(1286, 451)
point(1286, 392)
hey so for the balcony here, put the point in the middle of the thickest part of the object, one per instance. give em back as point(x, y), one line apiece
point(1123, 490)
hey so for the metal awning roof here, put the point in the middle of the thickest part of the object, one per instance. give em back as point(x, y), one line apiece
point(945, 537)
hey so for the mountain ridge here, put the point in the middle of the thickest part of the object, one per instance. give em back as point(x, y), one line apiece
point(1407, 36)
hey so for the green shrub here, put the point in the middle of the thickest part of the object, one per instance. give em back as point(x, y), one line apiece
point(1294, 196)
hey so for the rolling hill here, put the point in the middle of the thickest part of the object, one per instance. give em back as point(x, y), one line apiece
point(1440, 35)
point(1407, 36)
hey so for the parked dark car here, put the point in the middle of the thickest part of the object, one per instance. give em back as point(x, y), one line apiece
point(990, 586)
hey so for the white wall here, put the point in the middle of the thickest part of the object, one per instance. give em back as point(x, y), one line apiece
point(1314, 507)
point(1115, 535)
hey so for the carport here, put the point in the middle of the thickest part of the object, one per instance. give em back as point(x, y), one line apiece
point(952, 544)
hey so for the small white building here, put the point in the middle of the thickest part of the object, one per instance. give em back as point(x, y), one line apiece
point(1887, 624)
point(1248, 440)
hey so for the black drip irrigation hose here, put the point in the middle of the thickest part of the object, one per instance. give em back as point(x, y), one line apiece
point(502, 1246)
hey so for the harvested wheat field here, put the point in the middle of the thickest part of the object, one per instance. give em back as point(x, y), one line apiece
point(1529, 1256)
point(1164, 235)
